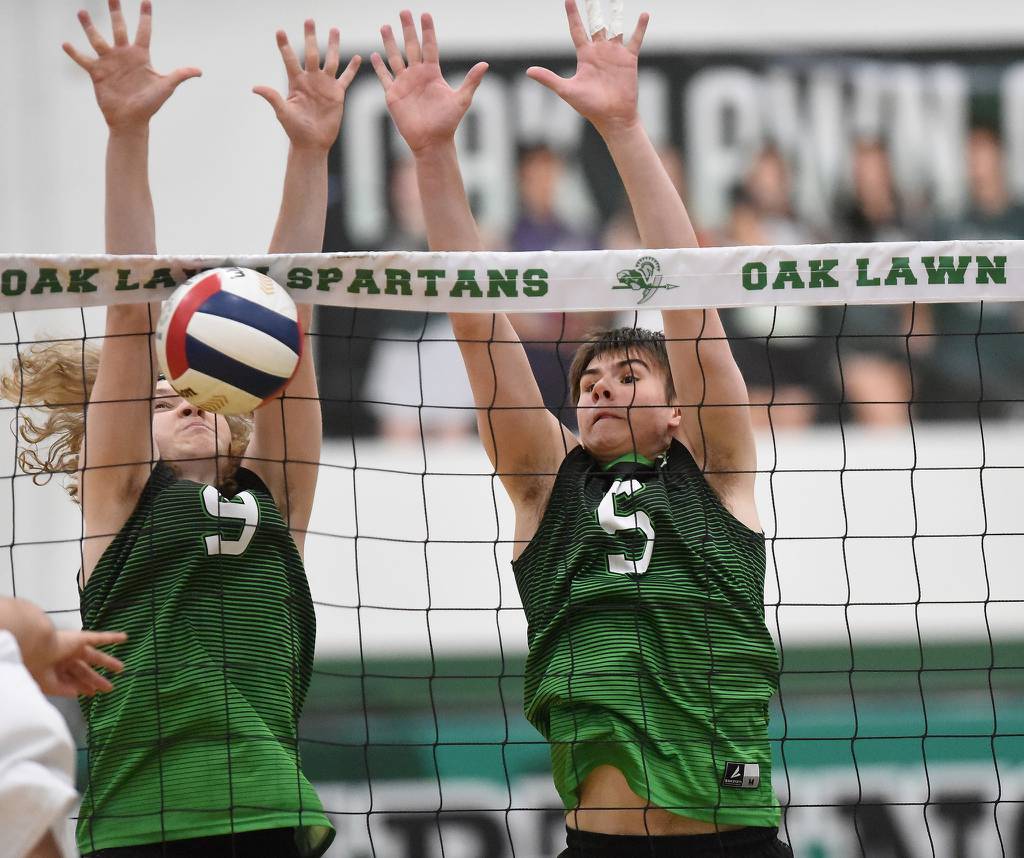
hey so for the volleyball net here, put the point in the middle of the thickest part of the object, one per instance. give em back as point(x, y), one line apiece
point(887, 385)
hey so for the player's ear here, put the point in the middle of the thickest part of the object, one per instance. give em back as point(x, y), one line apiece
point(677, 416)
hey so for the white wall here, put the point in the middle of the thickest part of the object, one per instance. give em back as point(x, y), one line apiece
point(217, 151)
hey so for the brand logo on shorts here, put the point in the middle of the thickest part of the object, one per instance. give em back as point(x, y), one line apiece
point(646, 278)
point(742, 775)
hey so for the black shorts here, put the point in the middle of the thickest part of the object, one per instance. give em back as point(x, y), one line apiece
point(743, 843)
point(270, 843)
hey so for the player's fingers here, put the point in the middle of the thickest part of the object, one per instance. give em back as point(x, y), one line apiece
point(350, 71)
point(595, 20)
point(413, 54)
point(291, 61)
point(332, 59)
point(576, 29)
point(391, 50)
point(89, 678)
point(179, 76)
point(312, 48)
point(117, 22)
point(618, 16)
point(145, 28)
point(99, 44)
point(546, 77)
point(104, 638)
point(473, 78)
point(383, 75)
point(431, 53)
point(271, 96)
point(637, 39)
point(98, 658)
point(82, 60)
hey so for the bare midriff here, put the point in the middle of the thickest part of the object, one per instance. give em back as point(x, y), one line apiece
point(609, 806)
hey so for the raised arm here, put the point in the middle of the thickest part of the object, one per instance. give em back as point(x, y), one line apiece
point(524, 441)
point(285, 445)
point(709, 387)
point(117, 451)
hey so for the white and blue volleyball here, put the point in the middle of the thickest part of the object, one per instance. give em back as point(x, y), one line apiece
point(228, 340)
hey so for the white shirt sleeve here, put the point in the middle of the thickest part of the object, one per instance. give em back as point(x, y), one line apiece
point(37, 761)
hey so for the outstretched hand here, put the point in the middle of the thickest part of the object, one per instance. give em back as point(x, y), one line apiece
point(311, 114)
point(425, 108)
point(68, 668)
point(604, 88)
point(128, 89)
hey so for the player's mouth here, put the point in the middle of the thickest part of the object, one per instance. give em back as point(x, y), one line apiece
point(604, 415)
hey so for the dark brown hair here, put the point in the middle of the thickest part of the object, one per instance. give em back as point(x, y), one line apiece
point(628, 341)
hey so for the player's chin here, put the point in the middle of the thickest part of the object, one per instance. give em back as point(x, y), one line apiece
point(605, 438)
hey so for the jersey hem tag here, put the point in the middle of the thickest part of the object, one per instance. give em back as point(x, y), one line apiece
point(742, 775)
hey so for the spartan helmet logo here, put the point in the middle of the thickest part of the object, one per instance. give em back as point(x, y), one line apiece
point(645, 277)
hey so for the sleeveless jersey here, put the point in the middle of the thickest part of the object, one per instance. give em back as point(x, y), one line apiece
point(648, 649)
point(199, 736)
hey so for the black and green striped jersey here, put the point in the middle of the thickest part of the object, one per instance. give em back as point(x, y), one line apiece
point(199, 736)
point(648, 649)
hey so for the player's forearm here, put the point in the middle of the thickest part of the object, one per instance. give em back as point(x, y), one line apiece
point(450, 221)
point(303, 212)
point(660, 214)
point(130, 222)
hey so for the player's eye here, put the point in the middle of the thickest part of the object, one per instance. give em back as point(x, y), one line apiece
point(629, 379)
point(161, 405)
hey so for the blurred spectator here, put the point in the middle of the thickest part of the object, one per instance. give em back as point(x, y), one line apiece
point(769, 194)
point(977, 349)
point(538, 227)
point(415, 384)
point(874, 364)
point(550, 339)
point(786, 354)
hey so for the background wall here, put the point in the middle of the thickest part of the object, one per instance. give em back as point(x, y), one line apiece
point(218, 154)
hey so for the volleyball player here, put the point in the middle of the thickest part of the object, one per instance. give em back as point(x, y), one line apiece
point(639, 554)
point(37, 753)
point(194, 529)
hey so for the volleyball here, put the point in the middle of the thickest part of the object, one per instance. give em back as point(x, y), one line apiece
point(228, 340)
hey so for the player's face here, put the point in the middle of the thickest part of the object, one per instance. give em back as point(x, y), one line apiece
point(623, 407)
point(183, 431)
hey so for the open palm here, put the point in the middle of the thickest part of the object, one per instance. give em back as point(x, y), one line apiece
point(423, 106)
point(604, 88)
point(311, 113)
point(128, 89)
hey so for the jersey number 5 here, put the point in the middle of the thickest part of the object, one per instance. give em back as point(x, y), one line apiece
point(614, 523)
point(242, 507)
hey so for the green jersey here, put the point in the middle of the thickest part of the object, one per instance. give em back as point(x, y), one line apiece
point(648, 649)
point(199, 736)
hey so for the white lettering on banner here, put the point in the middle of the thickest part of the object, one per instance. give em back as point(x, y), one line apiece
point(839, 813)
point(1012, 98)
point(487, 161)
point(363, 150)
point(813, 111)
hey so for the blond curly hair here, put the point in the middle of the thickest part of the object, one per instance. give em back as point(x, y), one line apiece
point(54, 379)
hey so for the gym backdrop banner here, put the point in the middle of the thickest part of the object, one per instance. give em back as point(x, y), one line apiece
point(717, 112)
